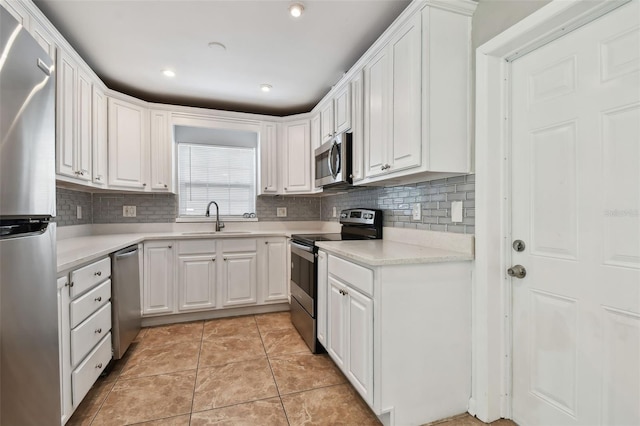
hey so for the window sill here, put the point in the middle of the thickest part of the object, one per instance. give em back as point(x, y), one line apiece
point(203, 219)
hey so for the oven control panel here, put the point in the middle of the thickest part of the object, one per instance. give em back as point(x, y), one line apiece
point(361, 216)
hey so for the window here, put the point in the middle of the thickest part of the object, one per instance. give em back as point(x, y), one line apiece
point(224, 174)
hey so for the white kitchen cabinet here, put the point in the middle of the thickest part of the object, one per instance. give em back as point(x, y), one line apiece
point(269, 158)
point(99, 132)
point(239, 271)
point(342, 109)
point(273, 270)
point(322, 283)
point(357, 127)
point(64, 343)
point(161, 152)
point(197, 274)
point(316, 133)
point(73, 141)
point(392, 120)
point(296, 145)
point(326, 122)
point(128, 145)
point(158, 282)
point(384, 325)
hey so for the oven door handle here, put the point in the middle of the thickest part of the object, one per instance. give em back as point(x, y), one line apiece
point(302, 247)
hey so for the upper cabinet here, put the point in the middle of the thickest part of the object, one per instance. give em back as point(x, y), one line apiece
point(161, 151)
point(269, 158)
point(99, 132)
point(335, 114)
point(31, 24)
point(296, 152)
point(416, 99)
point(74, 103)
point(357, 127)
point(128, 145)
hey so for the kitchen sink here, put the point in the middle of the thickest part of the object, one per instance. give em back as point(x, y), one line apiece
point(216, 233)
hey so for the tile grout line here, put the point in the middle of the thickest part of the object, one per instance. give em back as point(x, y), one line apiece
point(195, 381)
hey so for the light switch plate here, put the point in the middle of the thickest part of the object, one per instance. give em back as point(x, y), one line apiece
point(281, 212)
point(456, 211)
point(129, 211)
point(416, 211)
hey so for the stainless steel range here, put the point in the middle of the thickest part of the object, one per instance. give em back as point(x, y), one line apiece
point(357, 224)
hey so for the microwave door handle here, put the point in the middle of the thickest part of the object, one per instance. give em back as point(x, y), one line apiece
point(329, 162)
point(334, 173)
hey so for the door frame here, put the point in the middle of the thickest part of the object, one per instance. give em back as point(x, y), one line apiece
point(491, 293)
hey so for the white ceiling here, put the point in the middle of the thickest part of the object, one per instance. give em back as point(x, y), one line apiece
point(128, 43)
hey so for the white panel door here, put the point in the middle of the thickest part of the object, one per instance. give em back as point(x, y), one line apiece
point(158, 289)
point(337, 323)
point(269, 157)
point(297, 151)
point(84, 147)
point(576, 198)
point(196, 282)
point(99, 131)
point(239, 279)
point(276, 288)
point(326, 122)
point(322, 285)
point(360, 338)
point(357, 116)
point(65, 116)
point(128, 145)
point(161, 152)
point(342, 107)
point(376, 119)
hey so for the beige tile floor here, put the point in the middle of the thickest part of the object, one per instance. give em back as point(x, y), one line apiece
point(252, 370)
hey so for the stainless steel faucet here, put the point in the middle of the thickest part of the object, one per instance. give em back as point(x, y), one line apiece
point(219, 225)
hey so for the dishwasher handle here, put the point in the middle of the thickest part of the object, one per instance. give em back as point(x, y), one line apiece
point(124, 254)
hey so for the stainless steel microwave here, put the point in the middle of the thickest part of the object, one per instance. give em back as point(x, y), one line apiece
point(333, 162)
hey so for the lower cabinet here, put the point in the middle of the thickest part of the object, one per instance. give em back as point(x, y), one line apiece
point(383, 327)
point(204, 274)
point(84, 324)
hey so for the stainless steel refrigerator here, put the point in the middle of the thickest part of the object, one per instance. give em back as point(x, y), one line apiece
point(29, 350)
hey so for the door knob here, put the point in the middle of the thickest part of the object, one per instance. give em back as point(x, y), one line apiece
point(517, 271)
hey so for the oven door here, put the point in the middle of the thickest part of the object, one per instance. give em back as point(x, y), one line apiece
point(303, 276)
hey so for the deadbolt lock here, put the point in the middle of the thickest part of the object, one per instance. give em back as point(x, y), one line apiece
point(517, 271)
point(518, 245)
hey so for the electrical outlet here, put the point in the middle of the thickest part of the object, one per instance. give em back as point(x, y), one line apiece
point(416, 212)
point(129, 211)
point(456, 211)
point(79, 212)
point(334, 213)
point(281, 212)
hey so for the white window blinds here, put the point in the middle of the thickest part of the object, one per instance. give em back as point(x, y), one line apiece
point(226, 175)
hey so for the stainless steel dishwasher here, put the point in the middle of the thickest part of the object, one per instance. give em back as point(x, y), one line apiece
point(125, 299)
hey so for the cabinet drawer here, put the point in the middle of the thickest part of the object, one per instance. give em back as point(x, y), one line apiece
point(355, 275)
point(243, 244)
point(197, 247)
point(84, 306)
point(85, 336)
point(86, 277)
point(87, 373)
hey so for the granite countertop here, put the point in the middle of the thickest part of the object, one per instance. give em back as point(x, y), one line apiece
point(73, 252)
point(386, 252)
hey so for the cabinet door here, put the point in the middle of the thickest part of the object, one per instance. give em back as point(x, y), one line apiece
point(269, 158)
point(158, 278)
point(360, 343)
point(128, 145)
point(322, 298)
point(326, 122)
point(336, 323)
point(376, 120)
point(196, 282)
point(342, 107)
point(83, 110)
point(276, 288)
point(357, 128)
point(406, 115)
point(65, 116)
point(64, 347)
point(99, 131)
point(239, 279)
point(161, 152)
point(316, 133)
point(297, 152)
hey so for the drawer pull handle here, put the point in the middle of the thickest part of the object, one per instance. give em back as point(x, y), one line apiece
point(99, 365)
point(98, 299)
point(98, 273)
point(99, 330)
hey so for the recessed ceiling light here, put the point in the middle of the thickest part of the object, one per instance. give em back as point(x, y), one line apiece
point(296, 10)
point(169, 73)
point(266, 87)
point(216, 45)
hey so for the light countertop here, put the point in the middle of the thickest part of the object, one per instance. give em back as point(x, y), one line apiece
point(386, 252)
point(73, 252)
